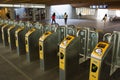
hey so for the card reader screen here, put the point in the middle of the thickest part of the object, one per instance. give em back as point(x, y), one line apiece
point(94, 68)
point(101, 45)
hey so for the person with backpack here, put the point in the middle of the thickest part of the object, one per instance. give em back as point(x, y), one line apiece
point(65, 17)
point(104, 19)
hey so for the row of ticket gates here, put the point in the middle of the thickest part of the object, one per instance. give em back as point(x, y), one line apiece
point(65, 46)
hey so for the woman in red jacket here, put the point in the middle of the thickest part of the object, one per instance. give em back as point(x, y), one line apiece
point(53, 18)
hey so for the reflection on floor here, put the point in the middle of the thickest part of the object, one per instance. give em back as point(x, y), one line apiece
point(99, 25)
point(14, 67)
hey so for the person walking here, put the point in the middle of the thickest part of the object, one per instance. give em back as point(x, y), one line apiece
point(104, 19)
point(53, 18)
point(65, 17)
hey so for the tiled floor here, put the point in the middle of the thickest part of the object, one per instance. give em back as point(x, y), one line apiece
point(14, 67)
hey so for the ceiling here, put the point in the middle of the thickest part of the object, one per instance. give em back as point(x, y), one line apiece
point(75, 3)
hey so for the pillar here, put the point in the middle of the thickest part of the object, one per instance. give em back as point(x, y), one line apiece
point(12, 13)
point(34, 14)
point(48, 10)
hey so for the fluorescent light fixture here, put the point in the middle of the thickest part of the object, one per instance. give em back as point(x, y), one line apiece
point(23, 5)
point(16, 5)
point(39, 6)
point(6, 5)
point(94, 6)
point(99, 6)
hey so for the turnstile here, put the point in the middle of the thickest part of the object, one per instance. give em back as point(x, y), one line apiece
point(20, 37)
point(16, 35)
point(116, 52)
point(27, 39)
point(5, 34)
point(48, 47)
point(32, 41)
point(93, 38)
point(86, 41)
point(20, 40)
point(105, 59)
point(68, 57)
point(83, 34)
point(11, 37)
point(1, 32)
point(32, 44)
point(101, 58)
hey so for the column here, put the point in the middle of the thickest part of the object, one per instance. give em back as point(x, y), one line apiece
point(12, 13)
point(48, 10)
point(34, 14)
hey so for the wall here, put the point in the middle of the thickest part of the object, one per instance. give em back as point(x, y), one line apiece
point(73, 13)
point(3, 12)
point(60, 10)
point(12, 13)
point(20, 12)
point(87, 13)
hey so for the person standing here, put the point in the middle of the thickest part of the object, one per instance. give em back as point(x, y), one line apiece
point(80, 15)
point(53, 18)
point(65, 17)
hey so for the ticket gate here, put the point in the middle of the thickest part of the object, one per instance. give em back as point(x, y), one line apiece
point(84, 46)
point(48, 47)
point(16, 35)
point(32, 44)
point(105, 57)
point(116, 52)
point(10, 38)
point(28, 24)
point(27, 39)
point(93, 38)
point(71, 30)
point(88, 40)
point(11, 35)
point(83, 33)
point(101, 58)
point(2, 24)
point(68, 58)
point(5, 34)
point(32, 41)
point(115, 41)
point(20, 37)
point(20, 40)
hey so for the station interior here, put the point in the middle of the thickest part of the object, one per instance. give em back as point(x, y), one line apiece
point(60, 40)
